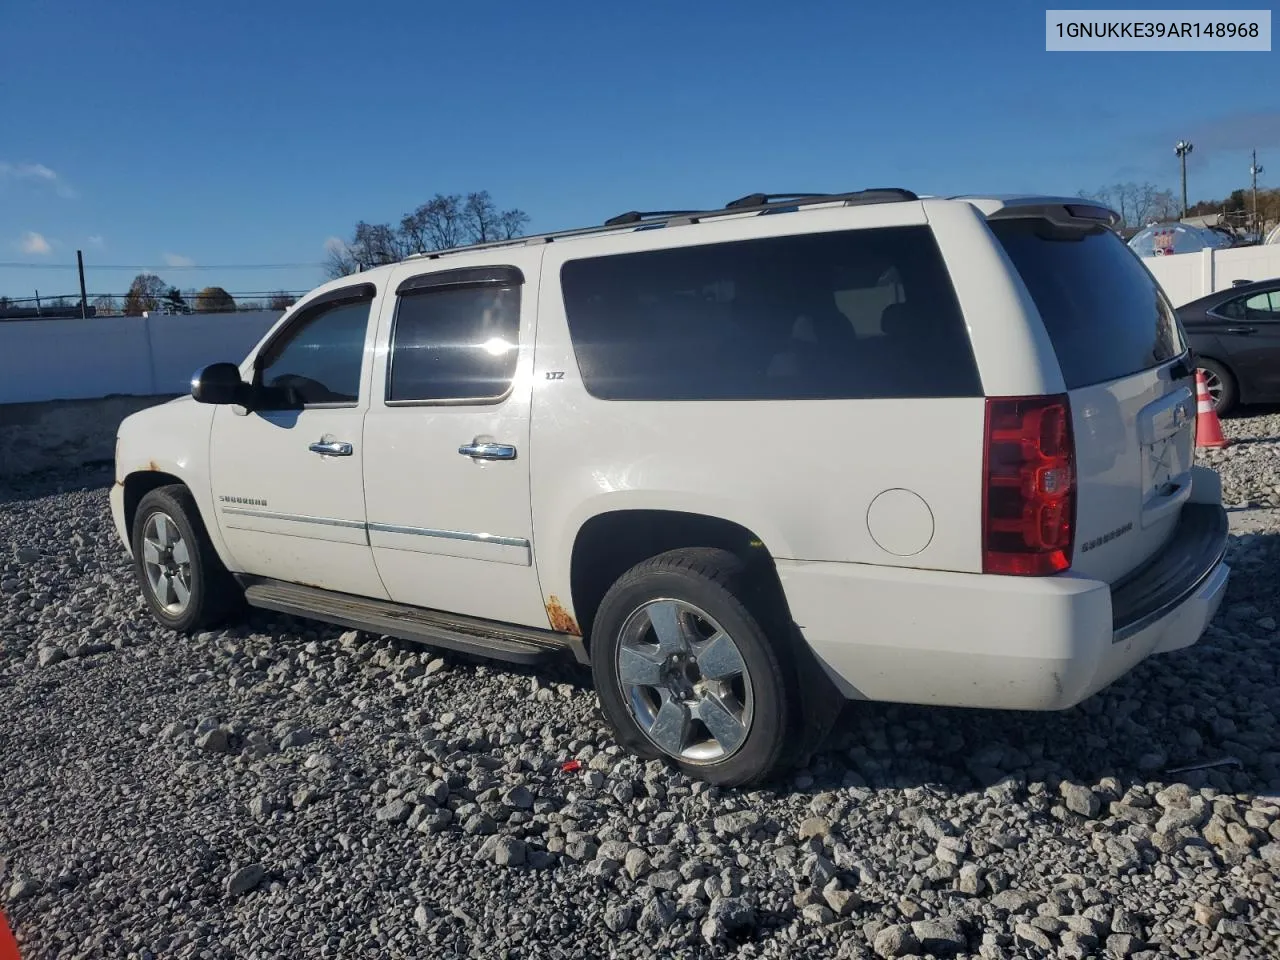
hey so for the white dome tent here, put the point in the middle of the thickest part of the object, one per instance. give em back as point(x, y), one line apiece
point(1164, 239)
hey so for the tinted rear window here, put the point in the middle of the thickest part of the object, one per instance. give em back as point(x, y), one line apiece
point(1106, 316)
point(856, 314)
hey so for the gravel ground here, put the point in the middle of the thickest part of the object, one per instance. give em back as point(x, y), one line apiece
point(289, 790)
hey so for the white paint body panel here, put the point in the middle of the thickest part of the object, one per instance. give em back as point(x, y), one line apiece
point(309, 524)
point(416, 479)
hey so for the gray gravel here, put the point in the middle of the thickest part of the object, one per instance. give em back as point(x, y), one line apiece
point(284, 789)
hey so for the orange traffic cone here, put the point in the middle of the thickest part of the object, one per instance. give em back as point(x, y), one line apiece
point(8, 946)
point(1208, 429)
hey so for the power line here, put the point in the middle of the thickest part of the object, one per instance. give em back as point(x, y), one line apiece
point(13, 264)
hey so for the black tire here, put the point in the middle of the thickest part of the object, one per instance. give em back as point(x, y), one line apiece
point(213, 594)
point(1228, 396)
point(716, 583)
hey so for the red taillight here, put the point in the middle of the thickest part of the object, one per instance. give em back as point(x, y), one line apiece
point(1028, 486)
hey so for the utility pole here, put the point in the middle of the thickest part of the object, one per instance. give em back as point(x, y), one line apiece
point(84, 299)
point(1254, 170)
point(1182, 148)
point(37, 303)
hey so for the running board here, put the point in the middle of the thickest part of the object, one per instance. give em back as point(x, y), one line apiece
point(485, 638)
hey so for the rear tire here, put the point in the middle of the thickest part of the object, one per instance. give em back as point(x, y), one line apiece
point(183, 581)
point(1221, 384)
point(685, 671)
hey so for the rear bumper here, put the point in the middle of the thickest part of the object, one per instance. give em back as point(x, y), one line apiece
point(1025, 643)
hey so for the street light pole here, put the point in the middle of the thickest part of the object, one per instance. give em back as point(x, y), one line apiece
point(1254, 170)
point(1182, 148)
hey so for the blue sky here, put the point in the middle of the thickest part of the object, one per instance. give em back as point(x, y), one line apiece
point(250, 133)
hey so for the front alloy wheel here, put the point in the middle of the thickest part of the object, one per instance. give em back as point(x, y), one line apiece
point(166, 561)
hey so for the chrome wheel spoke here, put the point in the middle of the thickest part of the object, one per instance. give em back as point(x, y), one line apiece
point(684, 681)
point(720, 659)
point(166, 563)
point(721, 723)
point(635, 668)
point(668, 625)
point(670, 729)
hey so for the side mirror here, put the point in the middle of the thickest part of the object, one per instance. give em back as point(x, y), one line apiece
point(219, 383)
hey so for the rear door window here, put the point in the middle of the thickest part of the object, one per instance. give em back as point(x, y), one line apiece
point(1105, 314)
point(847, 315)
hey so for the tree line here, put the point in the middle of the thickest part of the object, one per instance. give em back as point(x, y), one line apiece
point(149, 294)
point(444, 221)
point(1142, 203)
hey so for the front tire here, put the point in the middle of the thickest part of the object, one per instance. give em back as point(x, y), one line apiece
point(183, 581)
point(685, 671)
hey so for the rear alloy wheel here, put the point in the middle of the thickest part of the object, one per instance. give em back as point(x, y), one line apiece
point(183, 581)
point(684, 670)
point(1220, 384)
point(685, 682)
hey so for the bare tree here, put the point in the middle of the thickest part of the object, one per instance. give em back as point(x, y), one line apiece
point(444, 221)
point(1137, 203)
point(512, 222)
point(341, 261)
point(280, 301)
point(105, 306)
point(438, 224)
point(144, 294)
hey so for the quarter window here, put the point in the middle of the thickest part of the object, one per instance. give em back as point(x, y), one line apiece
point(318, 360)
point(455, 344)
point(853, 314)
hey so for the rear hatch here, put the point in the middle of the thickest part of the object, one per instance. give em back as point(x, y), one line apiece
point(1130, 385)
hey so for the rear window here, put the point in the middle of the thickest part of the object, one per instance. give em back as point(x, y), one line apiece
point(1105, 314)
point(854, 314)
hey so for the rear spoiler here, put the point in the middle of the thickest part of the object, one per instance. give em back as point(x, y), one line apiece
point(1065, 211)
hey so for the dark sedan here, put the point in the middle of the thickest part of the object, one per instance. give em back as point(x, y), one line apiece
point(1235, 334)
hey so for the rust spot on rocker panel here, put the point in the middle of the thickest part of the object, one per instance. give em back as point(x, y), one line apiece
point(560, 619)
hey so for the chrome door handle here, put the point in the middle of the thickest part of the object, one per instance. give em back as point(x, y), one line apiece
point(331, 448)
point(1242, 329)
point(488, 451)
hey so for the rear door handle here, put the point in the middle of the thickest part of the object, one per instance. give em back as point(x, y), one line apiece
point(331, 448)
point(488, 451)
point(1242, 329)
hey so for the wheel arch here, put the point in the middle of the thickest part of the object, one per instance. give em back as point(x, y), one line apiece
point(610, 543)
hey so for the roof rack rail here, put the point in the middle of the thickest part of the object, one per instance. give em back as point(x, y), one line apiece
point(760, 199)
point(637, 216)
point(654, 219)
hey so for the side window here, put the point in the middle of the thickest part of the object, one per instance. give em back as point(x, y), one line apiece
point(1233, 309)
point(454, 343)
point(824, 316)
point(318, 359)
point(1263, 307)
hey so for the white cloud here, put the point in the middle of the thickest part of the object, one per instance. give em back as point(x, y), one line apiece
point(36, 173)
point(178, 260)
point(35, 243)
point(95, 240)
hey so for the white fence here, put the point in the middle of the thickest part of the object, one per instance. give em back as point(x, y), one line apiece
point(1189, 276)
point(104, 356)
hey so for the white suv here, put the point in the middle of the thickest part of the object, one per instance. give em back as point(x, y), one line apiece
point(744, 462)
